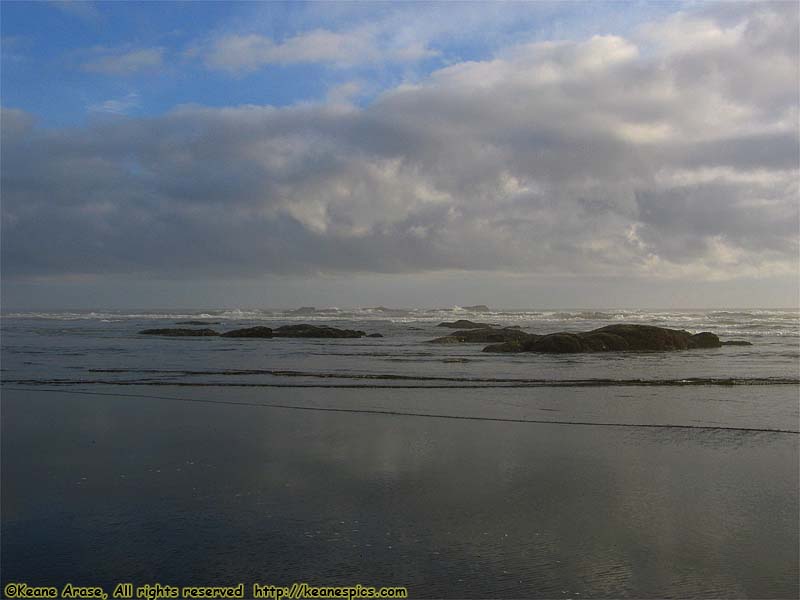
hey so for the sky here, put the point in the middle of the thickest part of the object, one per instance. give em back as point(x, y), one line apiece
point(526, 154)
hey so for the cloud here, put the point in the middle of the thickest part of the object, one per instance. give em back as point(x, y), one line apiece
point(116, 106)
point(241, 53)
point(344, 93)
point(609, 156)
point(80, 8)
point(114, 62)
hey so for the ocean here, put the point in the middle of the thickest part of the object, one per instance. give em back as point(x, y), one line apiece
point(392, 461)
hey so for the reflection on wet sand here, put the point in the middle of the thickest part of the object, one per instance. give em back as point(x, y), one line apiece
point(188, 493)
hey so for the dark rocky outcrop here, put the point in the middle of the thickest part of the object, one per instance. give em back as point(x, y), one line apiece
point(315, 331)
point(510, 347)
point(197, 322)
point(736, 343)
point(704, 340)
point(464, 324)
point(482, 336)
point(612, 338)
point(302, 331)
point(250, 332)
point(375, 335)
point(180, 332)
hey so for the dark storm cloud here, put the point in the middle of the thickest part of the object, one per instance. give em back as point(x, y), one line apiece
point(643, 156)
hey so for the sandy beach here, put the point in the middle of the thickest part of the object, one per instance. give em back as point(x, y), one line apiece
point(186, 492)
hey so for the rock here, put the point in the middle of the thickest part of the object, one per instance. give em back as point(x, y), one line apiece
point(180, 332)
point(315, 331)
point(375, 335)
point(643, 337)
point(512, 346)
point(612, 338)
point(464, 324)
point(736, 343)
point(704, 340)
point(482, 336)
point(556, 343)
point(477, 308)
point(197, 322)
point(250, 332)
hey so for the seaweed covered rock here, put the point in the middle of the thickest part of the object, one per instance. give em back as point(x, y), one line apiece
point(464, 324)
point(483, 336)
point(250, 332)
point(736, 343)
point(612, 338)
point(179, 332)
point(315, 331)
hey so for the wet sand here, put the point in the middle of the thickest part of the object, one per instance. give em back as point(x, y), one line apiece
point(100, 489)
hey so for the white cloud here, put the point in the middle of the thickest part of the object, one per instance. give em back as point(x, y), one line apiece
point(344, 93)
point(116, 106)
point(80, 8)
point(125, 62)
point(588, 157)
point(683, 32)
point(241, 53)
